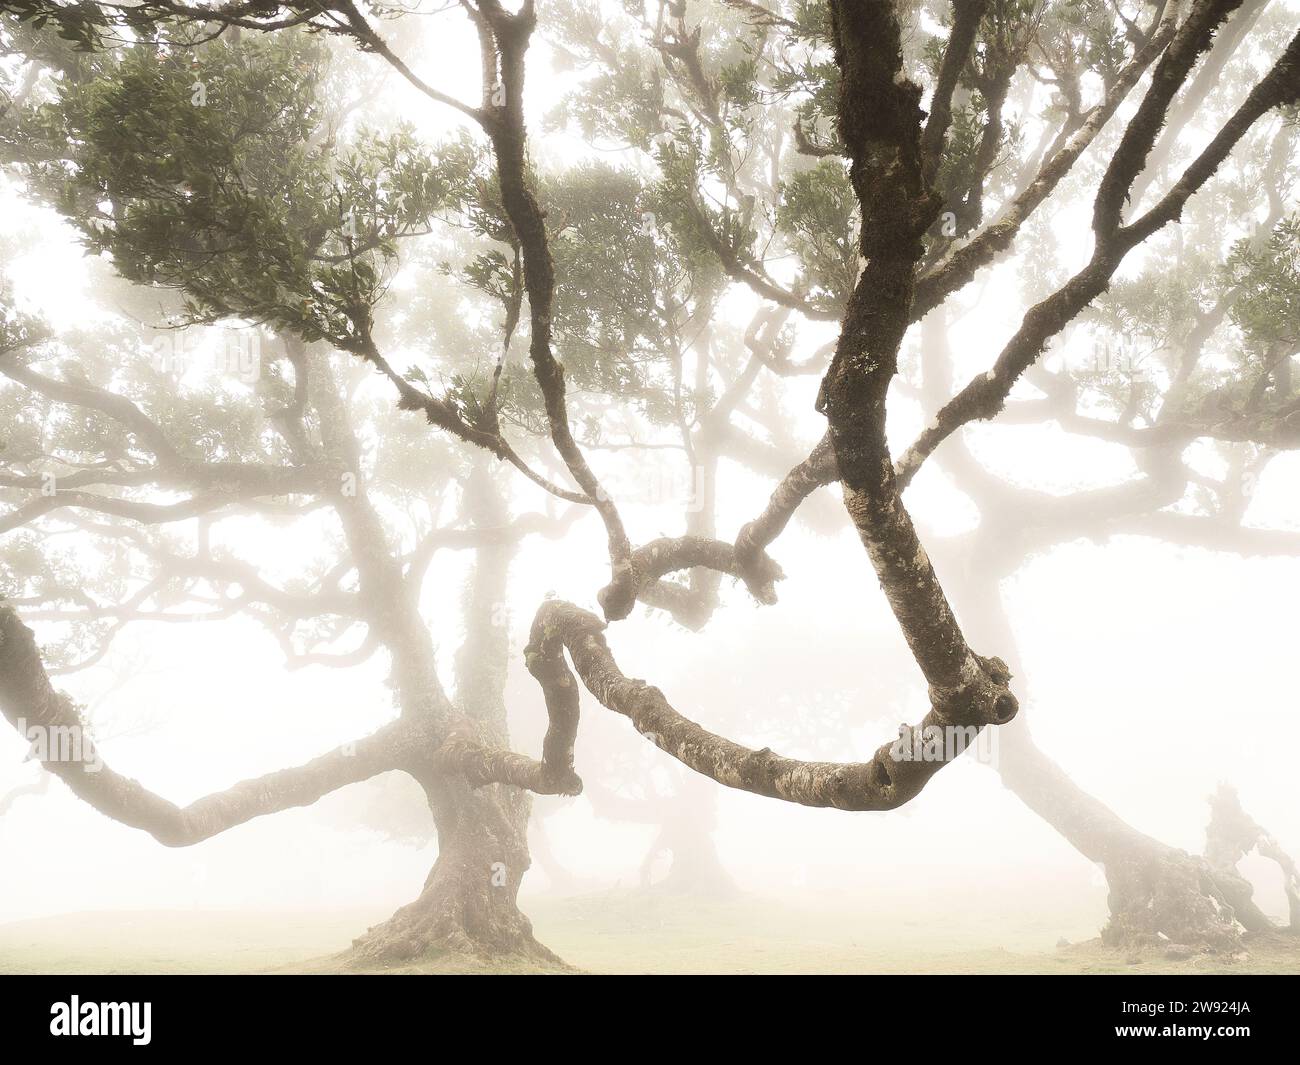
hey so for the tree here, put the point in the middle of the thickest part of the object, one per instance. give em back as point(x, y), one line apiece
point(796, 133)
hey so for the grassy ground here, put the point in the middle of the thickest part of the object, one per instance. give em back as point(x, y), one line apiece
point(617, 932)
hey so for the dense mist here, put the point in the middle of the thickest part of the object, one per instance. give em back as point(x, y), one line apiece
point(649, 487)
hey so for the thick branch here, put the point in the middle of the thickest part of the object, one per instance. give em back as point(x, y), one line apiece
point(30, 703)
point(510, 35)
point(890, 779)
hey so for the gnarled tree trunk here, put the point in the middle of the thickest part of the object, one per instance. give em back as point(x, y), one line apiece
point(469, 905)
point(469, 902)
point(1158, 894)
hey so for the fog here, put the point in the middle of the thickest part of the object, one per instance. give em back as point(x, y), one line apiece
point(1142, 589)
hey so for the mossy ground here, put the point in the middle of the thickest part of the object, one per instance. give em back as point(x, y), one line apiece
point(612, 932)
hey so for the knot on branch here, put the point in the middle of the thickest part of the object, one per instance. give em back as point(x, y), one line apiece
point(618, 597)
point(759, 570)
point(982, 698)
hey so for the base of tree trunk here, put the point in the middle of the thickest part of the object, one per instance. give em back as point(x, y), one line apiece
point(468, 909)
point(1169, 896)
point(1163, 896)
point(695, 872)
point(445, 921)
point(1158, 895)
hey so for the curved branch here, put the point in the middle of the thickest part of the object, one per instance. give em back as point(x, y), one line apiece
point(644, 566)
point(506, 36)
point(118, 408)
point(961, 40)
point(816, 470)
point(891, 778)
point(29, 701)
point(370, 41)
point(145, 513)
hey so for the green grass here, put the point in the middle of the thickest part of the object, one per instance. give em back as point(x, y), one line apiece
point(614, 932)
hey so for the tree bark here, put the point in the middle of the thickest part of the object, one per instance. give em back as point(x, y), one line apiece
point(1157, 893)
point(469, 904)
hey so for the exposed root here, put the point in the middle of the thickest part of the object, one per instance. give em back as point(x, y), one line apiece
point(438, 926)
point(1166, 896)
